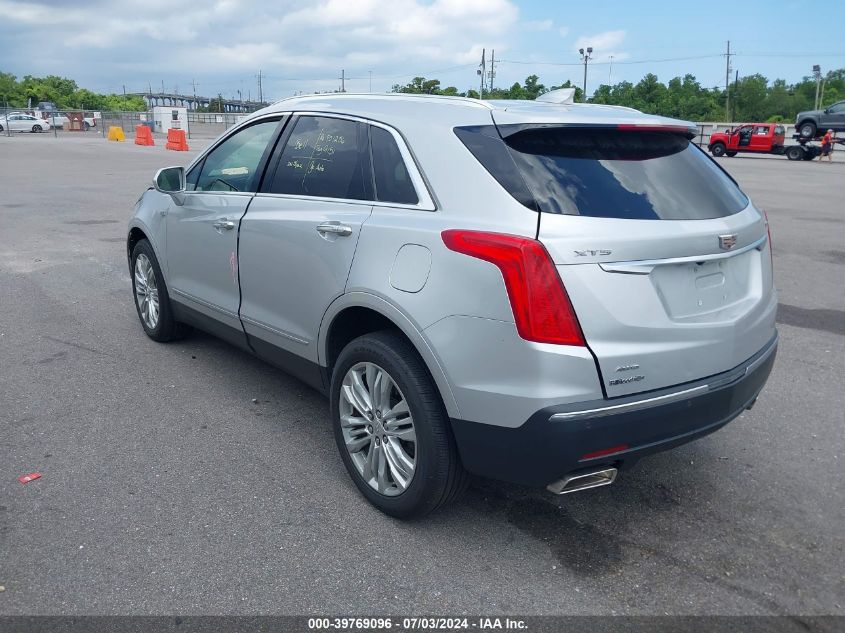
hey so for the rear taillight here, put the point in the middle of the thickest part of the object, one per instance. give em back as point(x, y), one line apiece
point(541, 308)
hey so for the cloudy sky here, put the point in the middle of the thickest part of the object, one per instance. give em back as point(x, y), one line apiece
point(303, 46)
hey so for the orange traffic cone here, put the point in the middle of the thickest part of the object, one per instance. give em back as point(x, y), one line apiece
point(176, 140)
point(143, 135)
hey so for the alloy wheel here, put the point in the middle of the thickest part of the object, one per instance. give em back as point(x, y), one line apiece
point(378, 428)
point(146, 291)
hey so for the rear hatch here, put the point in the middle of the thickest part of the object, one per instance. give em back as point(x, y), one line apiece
point(665, 260)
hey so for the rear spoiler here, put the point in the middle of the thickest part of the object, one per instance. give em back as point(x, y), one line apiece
point(690, 131)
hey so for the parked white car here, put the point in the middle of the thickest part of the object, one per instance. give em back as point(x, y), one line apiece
point(18, 122)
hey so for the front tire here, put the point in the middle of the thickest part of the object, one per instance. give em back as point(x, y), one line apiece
point(717, 149)
point(152, 301)
point(730, 154)
point(807, 129)
point(36, 129)
point(391, 427)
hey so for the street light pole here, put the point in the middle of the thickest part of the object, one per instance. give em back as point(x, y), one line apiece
point(585, 56)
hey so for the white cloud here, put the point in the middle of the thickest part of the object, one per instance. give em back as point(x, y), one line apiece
point(563, 31)
point(103, 43)
point(604, 45)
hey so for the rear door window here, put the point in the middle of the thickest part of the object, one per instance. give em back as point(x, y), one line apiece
point(611, 173)
point(324, 157)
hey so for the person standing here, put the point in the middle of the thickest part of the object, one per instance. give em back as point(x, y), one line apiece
point(827, 147)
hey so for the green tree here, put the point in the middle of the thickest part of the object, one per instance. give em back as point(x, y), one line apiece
point(217, 104)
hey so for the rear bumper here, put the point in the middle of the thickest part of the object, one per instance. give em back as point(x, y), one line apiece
point(559, 440)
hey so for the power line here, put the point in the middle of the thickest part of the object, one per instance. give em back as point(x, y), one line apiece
point(614, 61)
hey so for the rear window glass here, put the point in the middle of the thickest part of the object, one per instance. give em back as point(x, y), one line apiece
point(605, 172)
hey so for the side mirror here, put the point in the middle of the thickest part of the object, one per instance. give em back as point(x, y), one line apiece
point(170, 180)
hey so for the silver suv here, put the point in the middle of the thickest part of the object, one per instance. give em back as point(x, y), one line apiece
point(537, 292)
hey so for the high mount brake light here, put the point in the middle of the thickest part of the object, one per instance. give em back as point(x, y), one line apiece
point(675, 129)
point(541, 308)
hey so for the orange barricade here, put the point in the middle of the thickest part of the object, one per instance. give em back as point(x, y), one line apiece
point(143, 135)
point(176, 140)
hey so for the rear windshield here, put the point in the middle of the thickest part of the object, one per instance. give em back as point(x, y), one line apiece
point(608, 173)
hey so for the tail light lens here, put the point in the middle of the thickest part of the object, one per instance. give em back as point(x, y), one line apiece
point(541, 308)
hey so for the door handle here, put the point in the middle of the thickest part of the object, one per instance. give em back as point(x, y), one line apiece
point(334, 228)
point(223, 225)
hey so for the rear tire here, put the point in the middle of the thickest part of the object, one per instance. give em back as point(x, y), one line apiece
point(807, 129)
point(156, 312)
point(718, 149)
point(438, 477)
point(37, 129)
point(795, 152)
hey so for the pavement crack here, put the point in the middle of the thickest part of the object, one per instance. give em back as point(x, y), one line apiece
point(76, 345)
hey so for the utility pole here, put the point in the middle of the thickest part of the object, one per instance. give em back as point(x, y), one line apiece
point(610, 72)
point(371, 80)
point(194, 86)
point(586, 57)
point(728, 83)
point(492, 70)
point(342, 80)
point(260, 90)
point(124, 97)
point(482, 72)
point(162, 86)
point(817, 73)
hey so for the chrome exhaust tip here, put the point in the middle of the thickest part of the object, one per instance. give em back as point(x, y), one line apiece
point(583, 481)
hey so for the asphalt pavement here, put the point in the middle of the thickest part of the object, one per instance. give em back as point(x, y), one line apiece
point(166, 489)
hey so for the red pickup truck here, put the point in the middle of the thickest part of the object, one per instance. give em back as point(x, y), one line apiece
point(762, 138)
